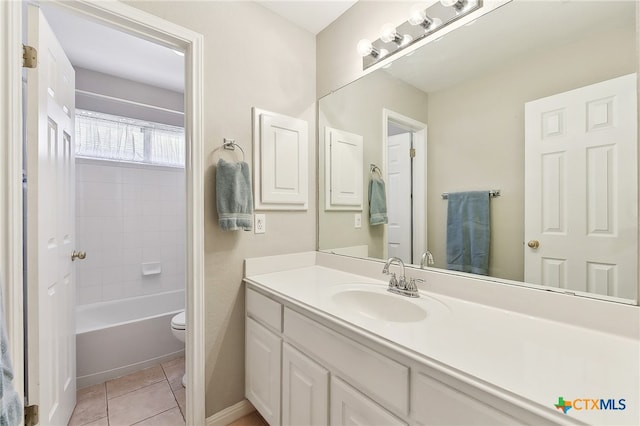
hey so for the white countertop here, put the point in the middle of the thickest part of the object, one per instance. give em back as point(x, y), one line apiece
point(535, 358)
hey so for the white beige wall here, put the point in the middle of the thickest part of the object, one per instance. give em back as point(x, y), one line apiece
point(252, 57)
point(357, 109)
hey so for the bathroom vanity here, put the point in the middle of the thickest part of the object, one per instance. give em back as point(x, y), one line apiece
point(325, 345)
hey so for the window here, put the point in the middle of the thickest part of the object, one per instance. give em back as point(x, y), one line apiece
point(117, 138)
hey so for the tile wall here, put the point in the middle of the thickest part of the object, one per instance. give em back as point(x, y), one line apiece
point(127, 215)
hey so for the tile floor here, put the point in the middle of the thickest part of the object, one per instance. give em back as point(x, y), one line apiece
point(153, 396)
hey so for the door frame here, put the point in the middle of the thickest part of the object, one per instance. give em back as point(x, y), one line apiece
point(419, 129)
point(144, 25)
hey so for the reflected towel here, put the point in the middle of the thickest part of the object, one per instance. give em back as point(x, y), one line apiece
point(233, 196)
point(10, 404)
point(377, 201)
point(468, 232)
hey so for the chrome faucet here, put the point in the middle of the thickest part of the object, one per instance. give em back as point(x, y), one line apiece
point(390, 262)
point(427, 258)
point(400, 286)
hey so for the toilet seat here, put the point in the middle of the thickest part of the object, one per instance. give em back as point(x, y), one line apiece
point(178, 322)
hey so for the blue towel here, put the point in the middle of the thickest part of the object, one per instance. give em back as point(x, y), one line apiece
point(377, 201)
point(233, 196)
point(468, 232)
point(10, 404)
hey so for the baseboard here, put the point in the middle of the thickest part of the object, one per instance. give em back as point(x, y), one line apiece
point(231, 414)
point(103, 376)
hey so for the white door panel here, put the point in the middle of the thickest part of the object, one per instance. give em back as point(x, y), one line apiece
point(50, 226)
point(581, 189)
point(399, 196)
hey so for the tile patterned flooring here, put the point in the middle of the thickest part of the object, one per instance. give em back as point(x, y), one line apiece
point(153, 396)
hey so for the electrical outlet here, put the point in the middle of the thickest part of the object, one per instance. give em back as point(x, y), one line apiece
point(260, 223)
point(358, 220)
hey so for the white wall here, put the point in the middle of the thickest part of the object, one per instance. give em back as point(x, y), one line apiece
point(126, 215)
point(252, 57)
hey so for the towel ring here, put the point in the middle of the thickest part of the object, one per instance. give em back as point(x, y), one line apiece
point(374, 168)
point(230, 144)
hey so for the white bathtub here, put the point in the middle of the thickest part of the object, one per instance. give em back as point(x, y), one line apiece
point(123, 336)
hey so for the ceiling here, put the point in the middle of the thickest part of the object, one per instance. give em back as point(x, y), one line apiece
point(312, 15)
point(96, 47)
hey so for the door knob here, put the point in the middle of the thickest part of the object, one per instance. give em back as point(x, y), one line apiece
point(534, 244)
point(78, 255)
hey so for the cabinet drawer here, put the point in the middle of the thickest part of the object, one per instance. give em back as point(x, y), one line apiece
point(350, 407)
point(385, 380)
point(435, 403)
point(264, 310)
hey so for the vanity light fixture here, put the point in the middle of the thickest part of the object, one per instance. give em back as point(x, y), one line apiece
point(422, 22)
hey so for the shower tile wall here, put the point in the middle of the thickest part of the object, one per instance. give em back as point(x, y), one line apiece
point(127, 215)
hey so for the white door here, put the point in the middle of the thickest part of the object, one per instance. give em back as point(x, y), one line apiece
point(399, 196)
point(581, 189)
point(50, 226)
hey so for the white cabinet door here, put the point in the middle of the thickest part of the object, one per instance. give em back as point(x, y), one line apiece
point(262, 371)
point(435, 403)
point(344, 181)
point(305, 390)
point(281, 161)
point(350, 407)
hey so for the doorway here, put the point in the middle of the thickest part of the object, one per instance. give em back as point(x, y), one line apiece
point(404, 153)
point(150, 28)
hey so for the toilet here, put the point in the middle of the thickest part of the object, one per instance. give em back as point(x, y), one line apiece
point(178, 328)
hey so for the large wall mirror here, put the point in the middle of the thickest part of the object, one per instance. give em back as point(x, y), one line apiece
point(534, 100)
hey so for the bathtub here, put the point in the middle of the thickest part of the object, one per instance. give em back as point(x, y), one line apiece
point(123, 336)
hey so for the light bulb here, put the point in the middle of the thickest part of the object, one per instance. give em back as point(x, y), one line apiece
point(458, 5)
point(416, 15)
point(388, 33)
point(406, 40)
point(364, 47)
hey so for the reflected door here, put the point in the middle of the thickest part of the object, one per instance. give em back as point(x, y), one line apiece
point(581, 189)
point(399, 196)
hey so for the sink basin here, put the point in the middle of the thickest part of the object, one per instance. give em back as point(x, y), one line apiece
point(380, 305)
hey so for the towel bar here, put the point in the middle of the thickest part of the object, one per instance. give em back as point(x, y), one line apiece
point(492, 193)
point(231, 144)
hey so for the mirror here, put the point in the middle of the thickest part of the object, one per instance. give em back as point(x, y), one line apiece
point(535, 100)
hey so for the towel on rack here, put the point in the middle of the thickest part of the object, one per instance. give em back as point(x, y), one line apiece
point(468, 232)
point(10, 404)
point(377, 201)
point(233, 196)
